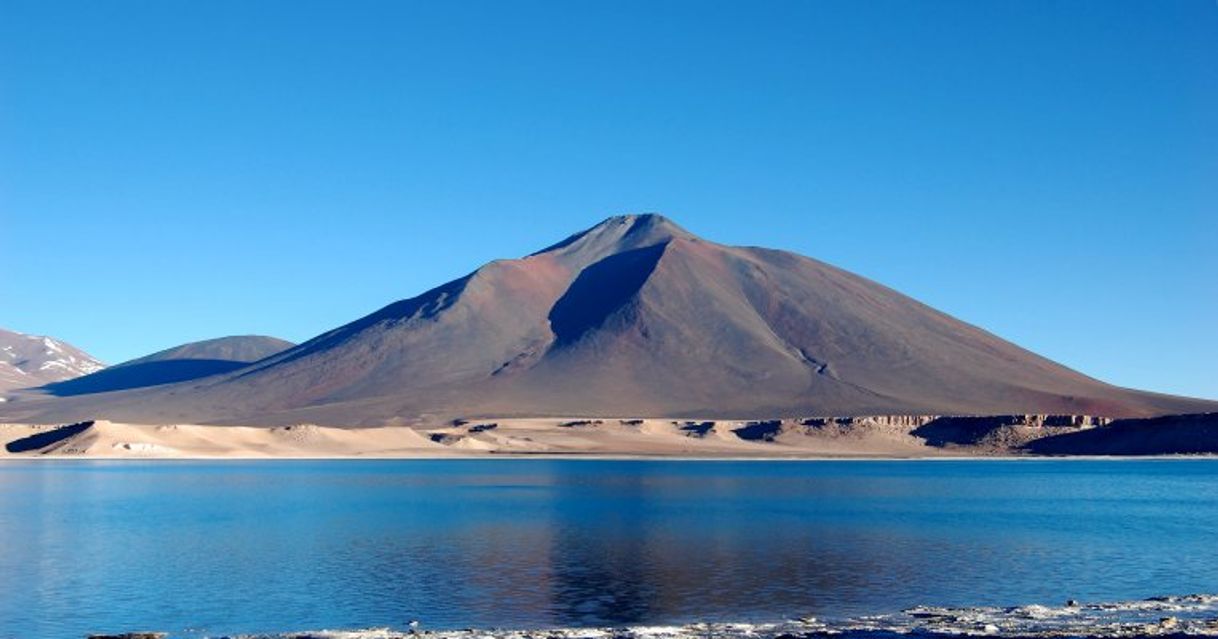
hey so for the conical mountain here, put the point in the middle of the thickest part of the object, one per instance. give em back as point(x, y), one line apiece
point(636, 316)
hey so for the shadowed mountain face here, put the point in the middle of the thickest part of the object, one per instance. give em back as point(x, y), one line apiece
point(180, 363)
point(636, 316)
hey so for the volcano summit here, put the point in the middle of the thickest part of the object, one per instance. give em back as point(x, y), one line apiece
point(634, 316)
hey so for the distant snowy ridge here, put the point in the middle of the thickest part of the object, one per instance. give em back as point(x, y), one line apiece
point(33, 360)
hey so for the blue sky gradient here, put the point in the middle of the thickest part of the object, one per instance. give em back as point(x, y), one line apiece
point(172, 171)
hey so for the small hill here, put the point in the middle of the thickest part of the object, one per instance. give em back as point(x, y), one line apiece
point(189, 361)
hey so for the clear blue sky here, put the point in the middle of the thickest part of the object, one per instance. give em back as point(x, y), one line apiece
point(172, 171)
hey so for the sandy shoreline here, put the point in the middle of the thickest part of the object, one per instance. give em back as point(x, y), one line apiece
point(886, 438)
point(504, 439)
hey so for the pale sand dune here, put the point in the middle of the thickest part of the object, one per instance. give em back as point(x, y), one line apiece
point(104, 439)
point(611, 437)
point(883, 436)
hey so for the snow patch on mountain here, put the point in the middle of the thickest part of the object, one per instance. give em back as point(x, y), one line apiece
point(33, 360)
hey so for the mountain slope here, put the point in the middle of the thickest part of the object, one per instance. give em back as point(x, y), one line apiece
point(636, 316)
point(180, 363)
point(33, 360)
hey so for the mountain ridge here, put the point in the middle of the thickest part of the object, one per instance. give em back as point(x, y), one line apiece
point(637, 316)
point(28, 361)
point(192, 360)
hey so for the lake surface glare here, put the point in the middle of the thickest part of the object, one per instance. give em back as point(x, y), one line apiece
point(214, 548)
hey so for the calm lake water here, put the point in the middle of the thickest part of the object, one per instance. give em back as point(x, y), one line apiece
point(209, 548)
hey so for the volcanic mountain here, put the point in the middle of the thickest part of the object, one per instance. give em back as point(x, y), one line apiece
point(636, 317)
point(180, 363)
point(34, 360)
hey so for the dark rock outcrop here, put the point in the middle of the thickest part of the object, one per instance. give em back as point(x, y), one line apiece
point(1170, 435)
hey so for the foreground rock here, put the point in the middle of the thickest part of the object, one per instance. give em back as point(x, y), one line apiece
point(1184, 616)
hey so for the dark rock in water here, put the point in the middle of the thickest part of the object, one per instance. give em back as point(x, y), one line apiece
point(129, 635)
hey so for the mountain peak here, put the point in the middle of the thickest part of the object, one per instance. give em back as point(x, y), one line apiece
point(642, 223)
point(648, 218)
point(33, 360)
point(635, 316)
point(616, 234)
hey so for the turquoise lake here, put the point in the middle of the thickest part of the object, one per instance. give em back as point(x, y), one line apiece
point(213, 548)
